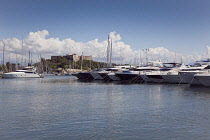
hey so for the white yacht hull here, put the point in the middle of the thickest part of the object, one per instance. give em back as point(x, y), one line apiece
point(204, 79)
point(157, 80)
point(188, 76)
point(153, 76)
point(145, 78)
point(174, 79)
point(20, 75)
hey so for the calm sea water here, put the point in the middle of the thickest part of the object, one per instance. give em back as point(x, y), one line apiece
point(60, 107)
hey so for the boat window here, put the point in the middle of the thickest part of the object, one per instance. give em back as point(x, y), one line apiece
point(132, 69)
point(171, 65)
point(28, 72)
point(149, 64)
point(126, 72)
point(164, 69)
point(208, 67)
point(139, 69)
point(196, 65)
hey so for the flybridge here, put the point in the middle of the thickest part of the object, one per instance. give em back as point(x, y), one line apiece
point(201, 62)
point(208, 60)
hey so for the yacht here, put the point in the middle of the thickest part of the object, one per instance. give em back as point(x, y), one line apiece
point(136, 75)
point(203, 78)
point(165, 74)
point(188, 76)
point(100, 74)
point(89, 76)
point(129, 76)
point(81, 75)
point(172, 76)
point(109, 73)
point(154, 76)
point(27, 72)
point(198, 68)
point(22, 74)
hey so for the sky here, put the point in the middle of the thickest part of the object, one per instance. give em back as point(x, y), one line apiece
point(173, 28)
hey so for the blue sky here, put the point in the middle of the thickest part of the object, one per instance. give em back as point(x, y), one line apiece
point(182, 26)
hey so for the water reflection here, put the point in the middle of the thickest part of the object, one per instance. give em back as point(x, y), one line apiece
point(64, 108)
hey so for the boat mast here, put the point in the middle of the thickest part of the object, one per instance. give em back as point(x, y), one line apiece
point(121, 57)
point(3, 56)
point(108, 52)
point(135, 59)
point(29, 59)
point(110, 61)
point(181, 60)
point(22, 53)
point(98, 60)
point(16, 65)
point(81, 61)
point(140, 58)
point(90, 63)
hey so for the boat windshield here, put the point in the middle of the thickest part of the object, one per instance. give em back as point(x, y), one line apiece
point(29, 72)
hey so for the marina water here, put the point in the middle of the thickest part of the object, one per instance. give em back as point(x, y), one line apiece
point(61, 107)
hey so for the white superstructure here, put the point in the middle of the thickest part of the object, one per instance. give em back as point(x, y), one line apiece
point(188, 74)
point(21, 74)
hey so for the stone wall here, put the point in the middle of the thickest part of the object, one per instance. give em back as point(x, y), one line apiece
point(73, 57)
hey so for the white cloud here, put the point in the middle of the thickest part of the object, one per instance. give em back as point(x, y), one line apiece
point(39, 44)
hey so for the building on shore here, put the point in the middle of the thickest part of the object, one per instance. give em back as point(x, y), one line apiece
point(73, 57)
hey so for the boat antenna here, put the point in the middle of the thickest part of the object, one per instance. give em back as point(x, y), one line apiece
point(140, 63)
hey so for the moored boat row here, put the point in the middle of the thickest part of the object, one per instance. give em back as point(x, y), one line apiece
point(154, 72)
